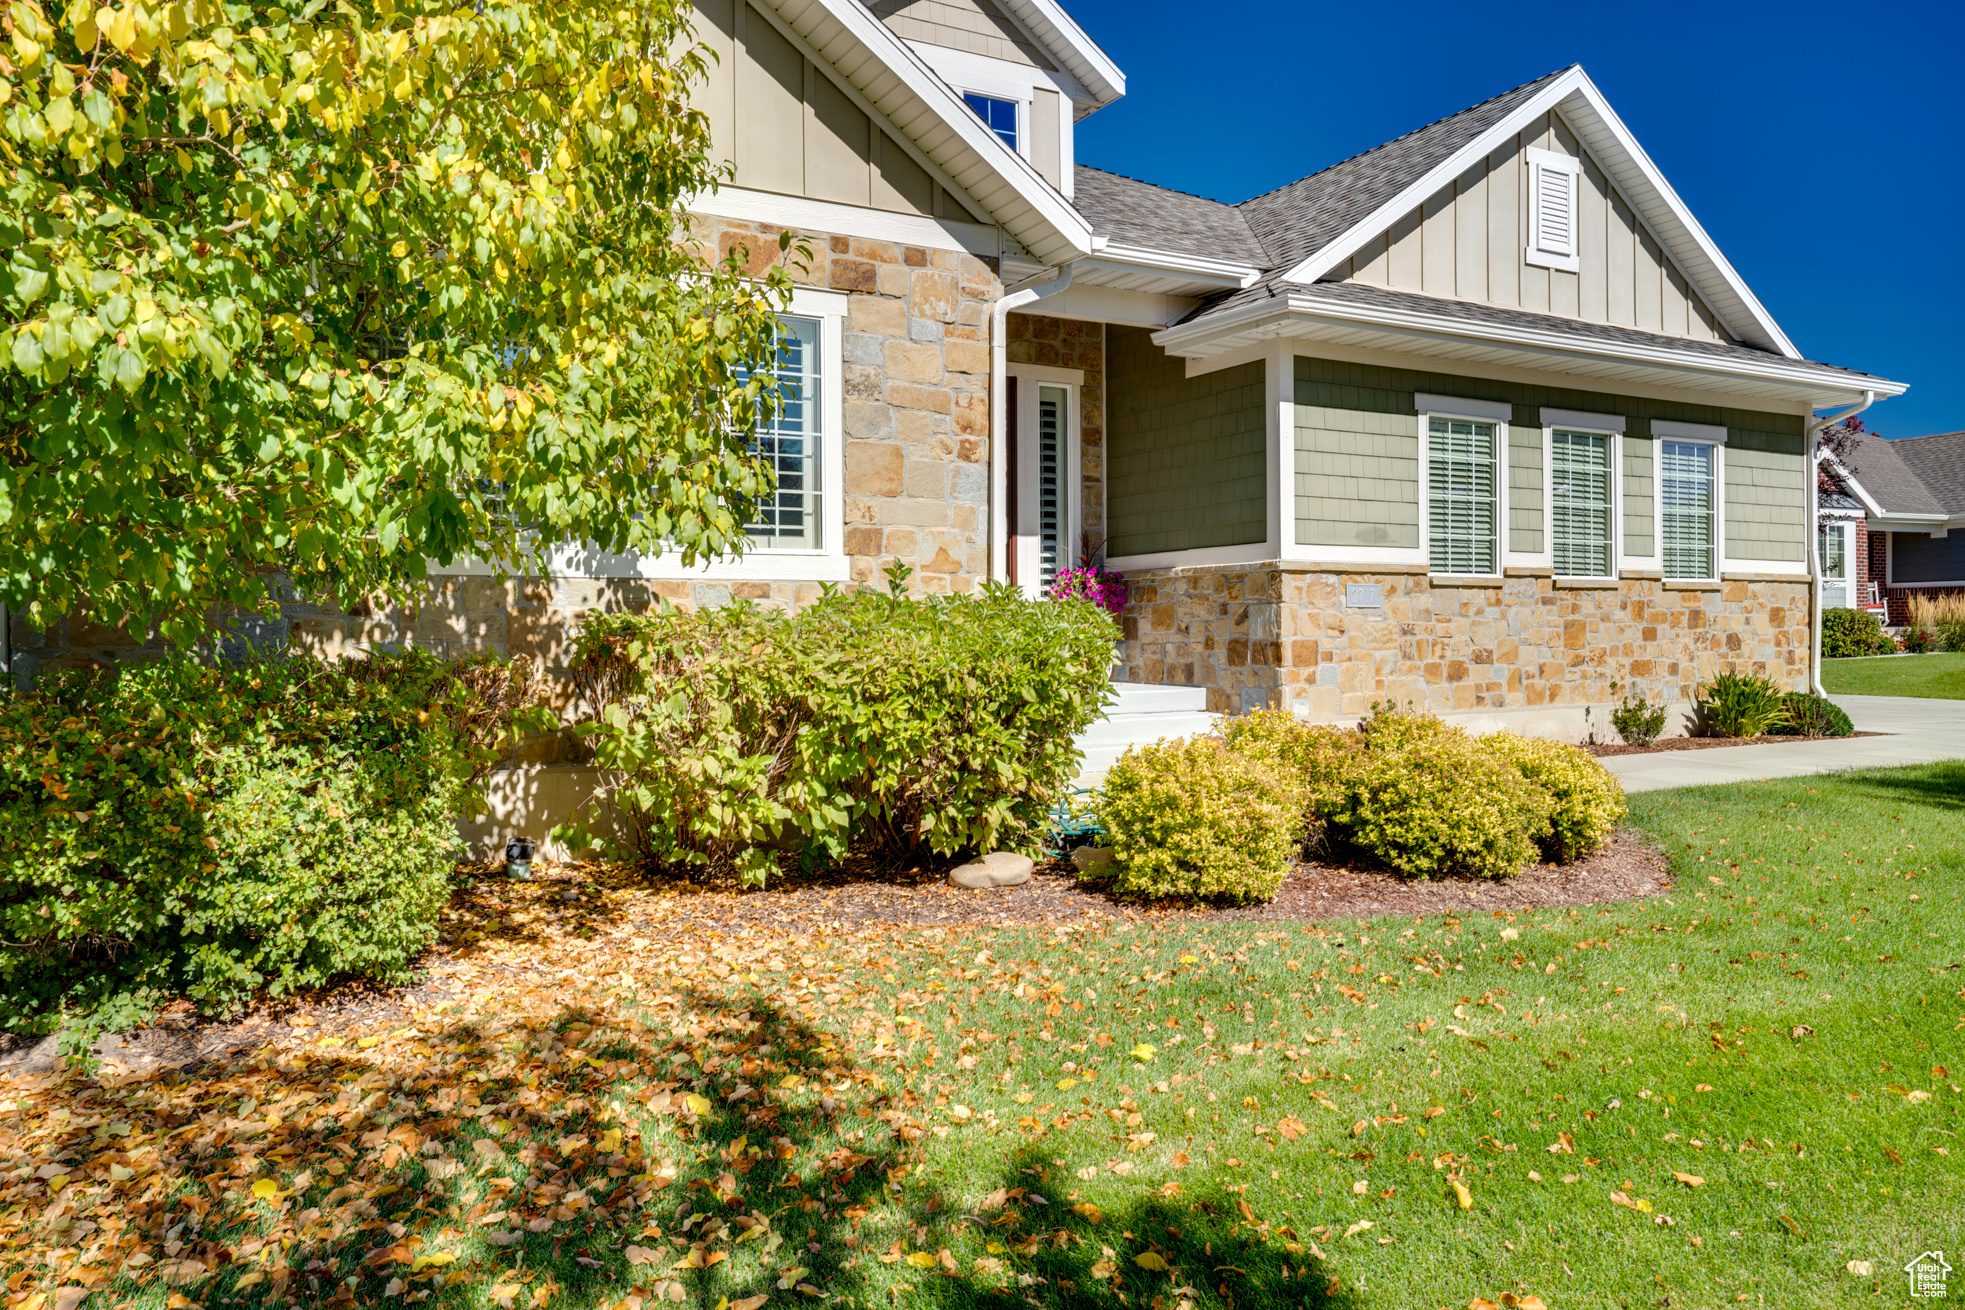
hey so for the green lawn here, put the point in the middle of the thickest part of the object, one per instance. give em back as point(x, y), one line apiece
point(1940, 676)
point(1721, 1096)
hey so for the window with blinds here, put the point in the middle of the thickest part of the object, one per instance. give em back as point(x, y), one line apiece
point(1050, 484)
point(1579, 503)
point(788, 518)
point(1686, 495)
point(1463, 510)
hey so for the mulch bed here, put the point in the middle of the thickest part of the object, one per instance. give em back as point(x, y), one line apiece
point(1709, 743)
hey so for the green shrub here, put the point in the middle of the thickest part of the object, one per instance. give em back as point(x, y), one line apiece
point(1438, 803)
point(1317, 760)
point(1809, 715)
point(1918, 641)
point(1195, 819)
point(1586, 802)
point(224, 832)
point(1848, 634)
point(1638, 721)
point(1389, 728)
point(1741, 705)
point(941, 724)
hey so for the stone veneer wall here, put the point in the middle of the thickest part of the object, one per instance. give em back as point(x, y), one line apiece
point(916, 399)
point(1266, 636)
point(1071, 343)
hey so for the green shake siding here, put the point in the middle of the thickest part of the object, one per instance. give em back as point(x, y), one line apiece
point(1187, 457)
point(1357, 460)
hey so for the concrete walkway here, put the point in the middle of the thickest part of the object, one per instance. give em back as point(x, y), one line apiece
point(1918, 730)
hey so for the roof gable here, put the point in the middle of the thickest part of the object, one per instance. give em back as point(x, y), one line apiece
point(1314, 217)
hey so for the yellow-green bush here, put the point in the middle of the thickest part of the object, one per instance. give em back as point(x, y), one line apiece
point(1194, 818)
point(1586, 802)
point(1317, 759)
point(1440, 804)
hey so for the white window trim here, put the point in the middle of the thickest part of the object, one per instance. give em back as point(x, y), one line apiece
point(1890, 565)
point(1615, 554)
point(757, 564)
point(1699, 434)
point(1477, 411)
point(1538, 158)
point(1030, 377)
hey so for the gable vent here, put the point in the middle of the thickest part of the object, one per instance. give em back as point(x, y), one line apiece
point(1552, 183)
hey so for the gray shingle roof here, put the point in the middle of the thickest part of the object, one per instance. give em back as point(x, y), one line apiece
point(1136, 213)
point(1939, 463)
point(1365, 295)
point(1296, 221)
point(1888, 477)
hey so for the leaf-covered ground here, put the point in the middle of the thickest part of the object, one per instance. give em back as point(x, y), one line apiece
point(1745, 1091)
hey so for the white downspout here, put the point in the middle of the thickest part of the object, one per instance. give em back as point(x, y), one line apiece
point(999, 417)
point(1815, 427)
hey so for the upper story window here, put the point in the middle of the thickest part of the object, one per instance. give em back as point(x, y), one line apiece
point(1553, 181)
point(999, 114)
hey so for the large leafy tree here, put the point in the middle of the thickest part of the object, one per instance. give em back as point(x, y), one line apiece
point(331, 290)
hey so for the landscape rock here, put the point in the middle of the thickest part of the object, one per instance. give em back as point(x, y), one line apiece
point(996, 869)
point(1093, 861)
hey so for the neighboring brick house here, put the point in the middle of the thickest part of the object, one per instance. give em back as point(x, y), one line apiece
point(1480, 419)
point(1905, 516)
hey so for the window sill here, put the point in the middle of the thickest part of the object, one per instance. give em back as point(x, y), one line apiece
point(1483, 581)
point(1691, 584)
point(1588, 584)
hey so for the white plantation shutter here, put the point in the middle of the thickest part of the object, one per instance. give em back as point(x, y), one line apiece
point(1686, 492)
point(1555, 210)
point(788, 518)
point(1461, 485)
point(1050, 483)
point(1580, 503)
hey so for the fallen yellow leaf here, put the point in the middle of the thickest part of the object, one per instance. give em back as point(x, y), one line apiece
point(1690, 1180)
point(921, 1260)
point(697, 1104)
point(1151, 1260)
point(265, 1189)
point(1461, 1194)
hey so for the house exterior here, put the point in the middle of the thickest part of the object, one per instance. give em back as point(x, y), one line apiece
point(1901, 509)
point(1480, 420)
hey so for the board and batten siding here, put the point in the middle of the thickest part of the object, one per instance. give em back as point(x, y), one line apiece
point(978, 26)
point(790, 128)
point(1357, 460)
point(1186, 458)
point(1468, 241)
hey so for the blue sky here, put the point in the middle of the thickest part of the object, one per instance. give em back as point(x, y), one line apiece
point(1822, 146)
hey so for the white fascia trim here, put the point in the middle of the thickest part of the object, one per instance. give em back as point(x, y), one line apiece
point(1575, 420)
point(1670, 429)
point(1487, 411)
point(1255, 553)
point(1060, 34)
point(1650, 195)
point(847, 220)
point(1044, 222)
point(1190, 268)
point(1308, 306)
point(1047, 374)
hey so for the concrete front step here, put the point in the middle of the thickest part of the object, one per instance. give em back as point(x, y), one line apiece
point(1150, 698)
point(1126, 728)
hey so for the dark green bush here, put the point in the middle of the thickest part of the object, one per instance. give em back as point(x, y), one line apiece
point(220, 833)
point(1849, 633)
point(1809, 715)
point(941, 724)
point(1638, 721)
point(1741, 705)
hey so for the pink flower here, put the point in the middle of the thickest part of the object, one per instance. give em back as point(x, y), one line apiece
point(1106, 590)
